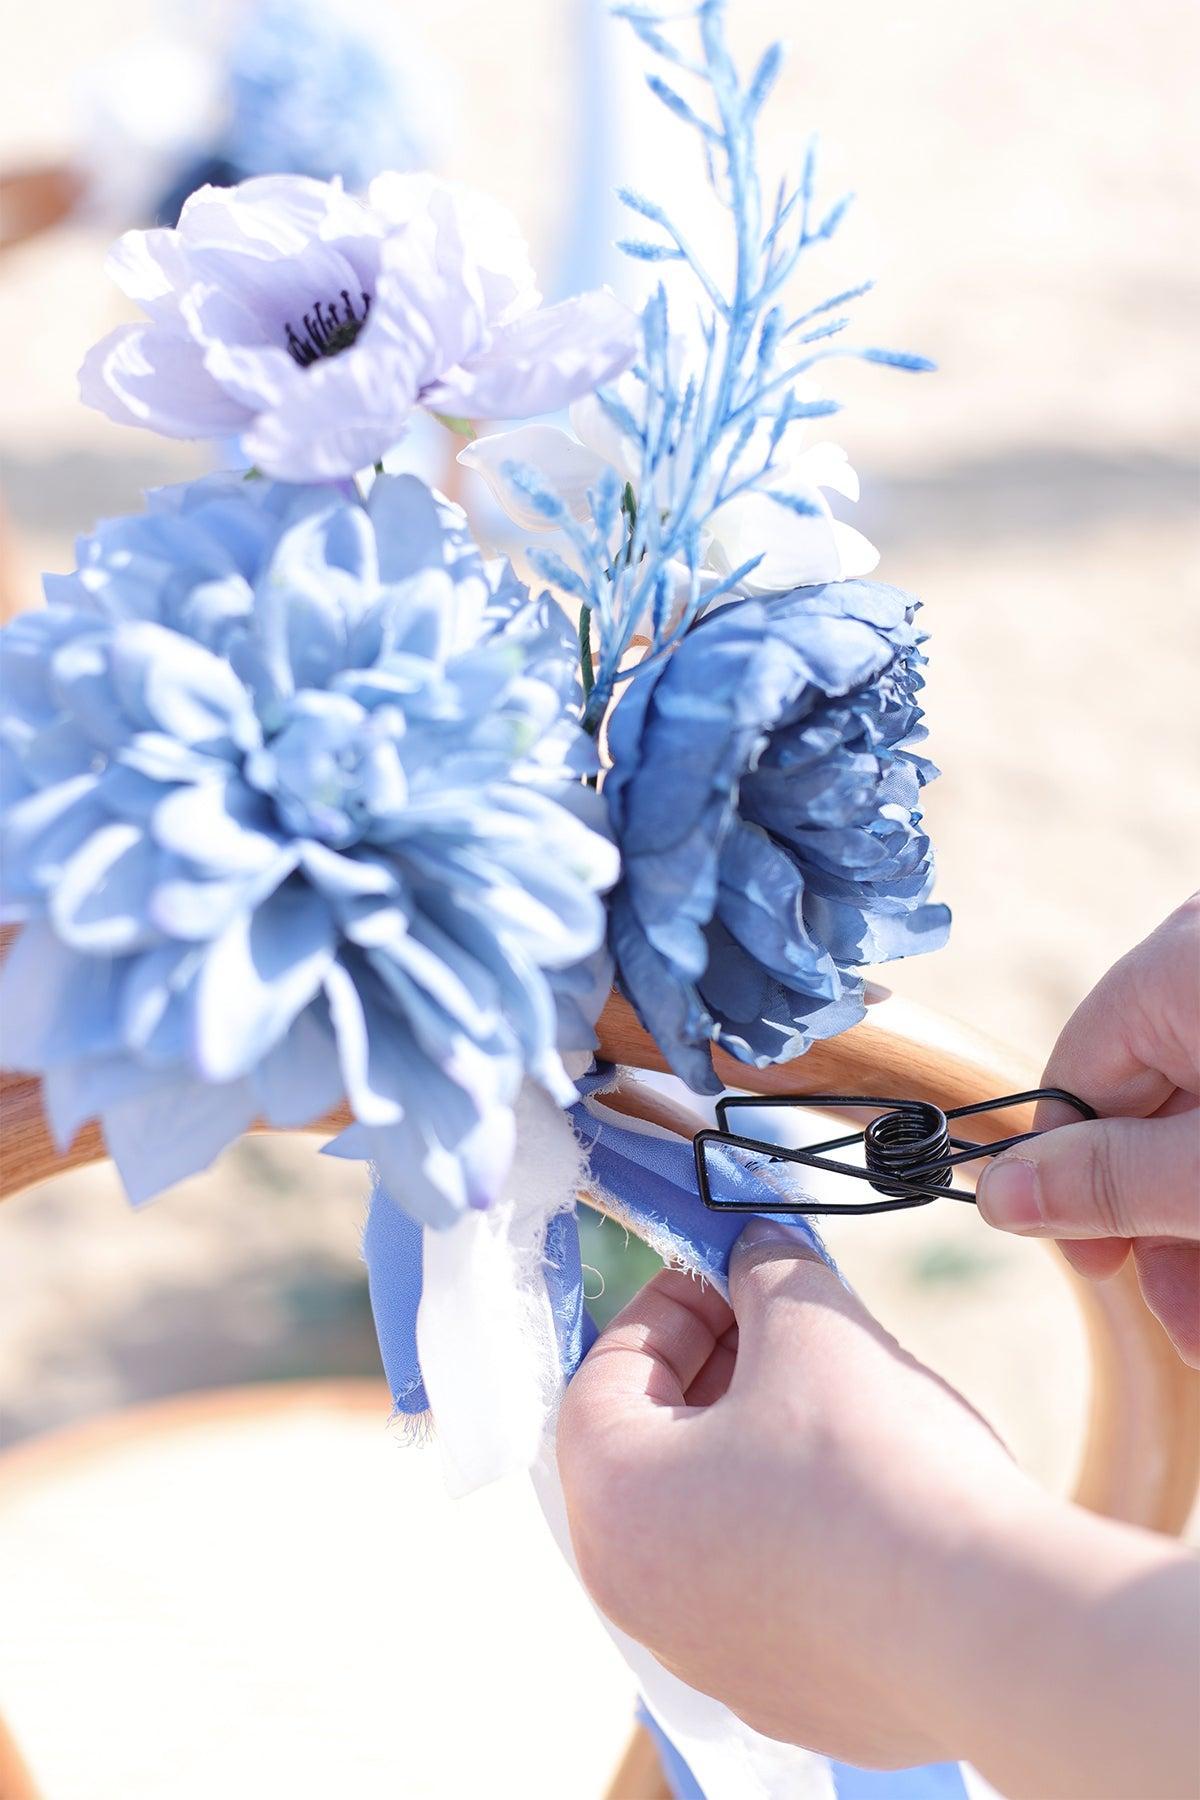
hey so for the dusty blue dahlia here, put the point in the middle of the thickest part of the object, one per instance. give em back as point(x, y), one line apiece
point(766, 799)
point(291, 813)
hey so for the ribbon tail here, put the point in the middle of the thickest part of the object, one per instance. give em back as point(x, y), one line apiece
point(728, 1759)
point(486, 1338)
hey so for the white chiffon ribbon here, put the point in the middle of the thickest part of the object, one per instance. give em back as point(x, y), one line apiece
point(728, 1759)
point(485, 1329)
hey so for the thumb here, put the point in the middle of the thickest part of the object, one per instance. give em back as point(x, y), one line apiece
point(1108, 1178)
point(790, 1306)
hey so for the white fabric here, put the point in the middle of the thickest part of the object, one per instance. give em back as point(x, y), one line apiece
point(976, 1787)
point(486, 1339)
point(485, 1330)
point(727, 1758)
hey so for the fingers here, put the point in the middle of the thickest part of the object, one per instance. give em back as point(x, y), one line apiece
point(1137, 1035)
point(1169, 1275)
point(655, 1349)
point(712, 1383)
point(1111, 1178)
point(1096, 1259)
point(619, 1426)
point(791, 1310)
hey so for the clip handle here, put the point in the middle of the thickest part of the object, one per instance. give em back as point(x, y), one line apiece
point(909, 1154)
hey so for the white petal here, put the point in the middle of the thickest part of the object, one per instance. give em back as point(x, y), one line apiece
point(797, 550)
point(343, 416)
point(822, 465)
point(149, 267)
point(857, 553)
point(544, 359)
point(564, 464)
point(274, 215)
point(475, 236)
point(149, 375)
point(252, 377)
point(594, 428)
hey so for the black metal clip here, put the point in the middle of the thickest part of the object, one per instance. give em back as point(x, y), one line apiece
point(908, 1152)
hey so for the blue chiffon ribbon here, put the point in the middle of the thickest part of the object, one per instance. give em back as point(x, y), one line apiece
point(652, 1180)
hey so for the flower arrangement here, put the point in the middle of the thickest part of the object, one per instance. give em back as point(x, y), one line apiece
point(306, 801)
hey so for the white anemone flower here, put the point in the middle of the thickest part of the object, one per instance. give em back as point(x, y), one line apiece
point(311, 324)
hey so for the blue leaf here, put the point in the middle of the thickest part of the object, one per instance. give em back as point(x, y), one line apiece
point(642, 251)
point(678, 105)
point(832, 328)
point(553, 569)
point(604, 499)
point(898, 359)
point(795, 503)
point(638, 203)
point(541, 496)
point(834, 216)
point(764, 78)
point(835, 300)
point(643, 23)
point(620, 414)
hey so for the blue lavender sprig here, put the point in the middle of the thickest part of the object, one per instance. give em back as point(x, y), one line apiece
point(694, 428)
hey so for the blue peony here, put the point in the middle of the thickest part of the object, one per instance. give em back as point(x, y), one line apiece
point(766, 801)
point(292, 812)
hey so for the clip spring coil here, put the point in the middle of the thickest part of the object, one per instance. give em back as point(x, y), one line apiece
point(909, 1154)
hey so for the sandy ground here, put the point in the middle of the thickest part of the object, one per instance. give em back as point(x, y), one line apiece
point(1029, 179)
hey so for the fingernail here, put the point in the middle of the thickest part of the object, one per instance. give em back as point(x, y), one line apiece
point(774, 1234)
point(1009, 1194)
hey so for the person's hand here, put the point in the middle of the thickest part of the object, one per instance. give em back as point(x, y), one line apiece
point(760, 1503)
point(799, 1519)
point(1132, 1179)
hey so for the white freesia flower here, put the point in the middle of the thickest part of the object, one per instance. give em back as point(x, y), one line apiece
point(310, 323)
point(797, 549)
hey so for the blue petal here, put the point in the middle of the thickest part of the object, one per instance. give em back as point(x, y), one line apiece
point(173, 1129)
point(299, 1079)
point(256, 977)
point(56, 1005)
point(41, 833)
point(222, 827)
point(99, 902)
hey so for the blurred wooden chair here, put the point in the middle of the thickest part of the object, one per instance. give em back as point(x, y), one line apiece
point(262, 1590)
point(1142, 1446)
point(34, 200)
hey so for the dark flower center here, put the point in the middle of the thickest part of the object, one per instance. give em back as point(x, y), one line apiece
point(328, 329)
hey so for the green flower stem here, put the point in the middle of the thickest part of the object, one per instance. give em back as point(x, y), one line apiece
point(461, 427)
point(586, 670)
